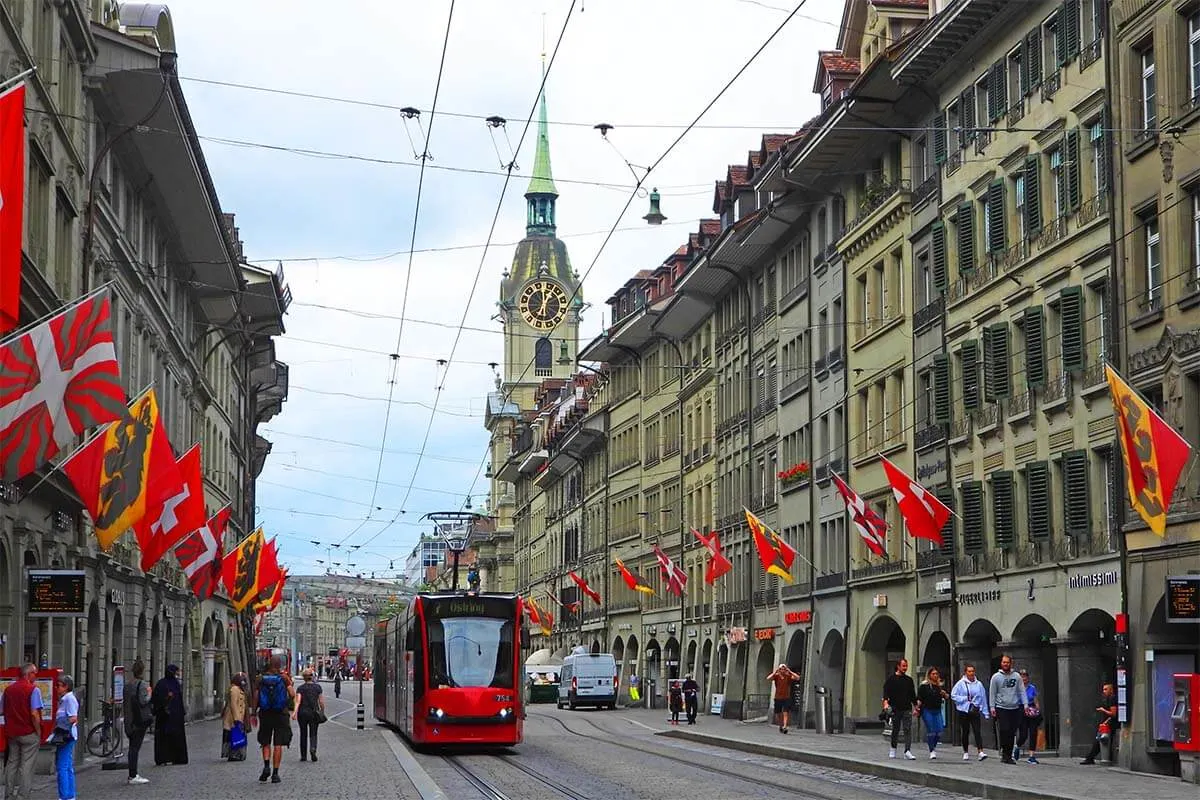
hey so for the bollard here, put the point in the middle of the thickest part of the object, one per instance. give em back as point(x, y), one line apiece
point(361, 715)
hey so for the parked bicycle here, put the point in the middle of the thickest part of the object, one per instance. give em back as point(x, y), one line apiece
point(107, 737)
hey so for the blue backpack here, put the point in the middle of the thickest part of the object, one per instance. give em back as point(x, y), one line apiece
point(272, 693)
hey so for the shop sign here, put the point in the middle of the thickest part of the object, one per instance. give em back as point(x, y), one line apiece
point(798, 617)
point(736, 635)
point(979, 598)
point(931, 470)
point(1090, 580)
point(762, 634)
point(879, 601)
point(116, 596)
point(1183, 598)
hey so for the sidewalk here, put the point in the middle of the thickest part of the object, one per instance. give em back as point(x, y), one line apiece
point(1052, 779)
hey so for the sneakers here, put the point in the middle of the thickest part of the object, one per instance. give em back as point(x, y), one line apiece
point(908, 755)
point(1032, 760)
point(785, 728)
point(138, 779)
point(966, 756)
point(266, 773)
point(982, 755)
point(1016, 754)
point(1088, 761)
point(892, 753)
point(932, 754)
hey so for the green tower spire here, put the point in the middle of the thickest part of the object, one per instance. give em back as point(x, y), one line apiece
point(541, 195)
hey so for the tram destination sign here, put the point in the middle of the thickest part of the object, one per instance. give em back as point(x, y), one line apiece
point(1183, 598)
point(57, 592)
point(468, 606)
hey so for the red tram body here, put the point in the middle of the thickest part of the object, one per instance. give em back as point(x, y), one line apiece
point(447, 670)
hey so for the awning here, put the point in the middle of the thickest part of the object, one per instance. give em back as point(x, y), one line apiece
point(948, 34)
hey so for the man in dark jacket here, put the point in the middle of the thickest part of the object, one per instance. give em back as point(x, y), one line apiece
point(691, 698)
point(900, 698)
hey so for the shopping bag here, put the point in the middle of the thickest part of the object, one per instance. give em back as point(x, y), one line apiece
point(237, 736)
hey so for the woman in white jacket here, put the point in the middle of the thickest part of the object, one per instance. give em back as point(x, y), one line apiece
point(970, 701)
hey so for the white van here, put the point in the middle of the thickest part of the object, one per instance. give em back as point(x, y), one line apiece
point(588, 679)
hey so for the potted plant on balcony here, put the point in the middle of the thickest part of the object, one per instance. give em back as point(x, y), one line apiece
point(794, 474)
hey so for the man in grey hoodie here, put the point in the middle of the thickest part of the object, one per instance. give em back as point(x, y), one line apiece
point(1009, 702)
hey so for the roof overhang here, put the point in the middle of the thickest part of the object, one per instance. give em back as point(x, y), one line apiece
point(623, 339)
point(946, 35)
point(533, 461)
point(509, 471)
point(265, 299)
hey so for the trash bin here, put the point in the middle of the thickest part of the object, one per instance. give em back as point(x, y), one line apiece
point(824, 718)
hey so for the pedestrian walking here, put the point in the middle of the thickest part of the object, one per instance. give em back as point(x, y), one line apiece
point(971, 705)
point(1009, 703)
point(635, 692)
point(782, 679)
point(675, 700)
point(337, 683)
point(691, 698)
point(900, 698)
point(235, 719)
point(1031, 722)
point(930, 697)
point(310, 712)
point(66, 732)
point(170, 716)
point(21, 705)
point(138, 716)
point(272, 704)
point(1106, 723)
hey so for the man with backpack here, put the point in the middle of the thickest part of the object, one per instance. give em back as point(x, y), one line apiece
point(138, 715)
point(272, 705)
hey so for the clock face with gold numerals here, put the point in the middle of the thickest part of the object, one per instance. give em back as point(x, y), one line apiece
point(543, 304)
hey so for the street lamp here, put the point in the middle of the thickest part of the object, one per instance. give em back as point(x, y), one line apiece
point(455, 529)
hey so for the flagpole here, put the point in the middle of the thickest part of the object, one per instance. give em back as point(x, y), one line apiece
point(22, 330)
point(90, 438)
point(20, 77)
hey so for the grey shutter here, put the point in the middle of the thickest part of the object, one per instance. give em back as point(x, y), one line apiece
point(997, 235)
point(1070, 314)
point(970, 374)
point(1033, 196)
point(938, 234)
point(1037, 500)
point(941, 388)
point(1077, 511)
point(972, 515)
point(1034, 325)
point(1003, 510)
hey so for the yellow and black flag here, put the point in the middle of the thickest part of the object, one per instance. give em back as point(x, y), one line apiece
point(634, 580)
point(248, 570)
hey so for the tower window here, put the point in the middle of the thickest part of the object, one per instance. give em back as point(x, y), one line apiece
point(543, 356)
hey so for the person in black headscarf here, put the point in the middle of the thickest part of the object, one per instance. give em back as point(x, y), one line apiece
point(170, 739)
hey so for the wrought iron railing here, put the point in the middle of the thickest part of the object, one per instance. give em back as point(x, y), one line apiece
point(733, 607)
point(877, 196)
point(830, 581)
point(765, 597)
point(929, 314)
point(1051, 84)
point(1057, 388)
point(1093, 208)
point(877, 570)
point(795, 293)
point(932, 559)
point(1020, 403)
point(930, 435)
point(953, 162)
point(1016, 110)
point(927, 189)
point(1090, 54)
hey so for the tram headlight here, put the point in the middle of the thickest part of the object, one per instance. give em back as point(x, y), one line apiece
point(505, 713)
point(436, 713)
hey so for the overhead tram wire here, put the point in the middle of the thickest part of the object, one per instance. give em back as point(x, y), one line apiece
point(537, 99)
point(637, 187)
point(425, 157)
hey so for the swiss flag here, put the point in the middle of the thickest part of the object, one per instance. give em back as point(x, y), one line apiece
point(12, 203)
point(178, 515)
point(718, 564)
point(199, 554)
point(923, 513)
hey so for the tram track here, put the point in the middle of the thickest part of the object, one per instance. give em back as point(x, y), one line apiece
point(491, 792)
point(724, 772)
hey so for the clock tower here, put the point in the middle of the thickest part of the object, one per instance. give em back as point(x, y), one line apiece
point(540, 295)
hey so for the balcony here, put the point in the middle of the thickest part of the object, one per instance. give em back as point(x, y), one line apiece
point(819, 261)
point(830, 252)
point(761, 316)
point(928, 189)
point(1093, 209)
point(1016, 111)
point(625, 462)
point(953, 162)
point(932, 559)
point(879, 570)
point(733, 607)
point(960, 426)
point(877, 196)
point(822, 364)
point(1090, 54)
point(1019, 405)
point(830, 581)
point(929, 314)
point(835, 357)
point(1051, 232)
point(764, 407)
point(989, 419)
point(1050, 85)
point(1057, 391)
point(983, 137)
point(765, 597)
point(794, 387)
point(794, 294)
point(930, 436)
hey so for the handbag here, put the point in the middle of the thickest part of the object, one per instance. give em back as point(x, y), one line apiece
point(60, 736)
point(319, 717)
point(237, 736)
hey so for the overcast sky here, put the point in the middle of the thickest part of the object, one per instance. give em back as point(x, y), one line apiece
point(340, 217)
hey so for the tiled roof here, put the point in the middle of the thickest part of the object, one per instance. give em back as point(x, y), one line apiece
point(835, 62)
point(755, 160)
point(773, 141)
point(710, 227)
point(738, 175)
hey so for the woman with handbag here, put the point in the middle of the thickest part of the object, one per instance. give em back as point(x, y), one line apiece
point(235, 720)
point(64, 736)
point(970, 701)
point(310, 712)
point(1031, 722)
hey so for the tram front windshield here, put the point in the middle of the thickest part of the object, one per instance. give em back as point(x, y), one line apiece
point(466, 652)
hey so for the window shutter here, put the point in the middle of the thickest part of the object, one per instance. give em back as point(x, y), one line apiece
point(1072, 156)
point(1033, 48)
point(1105, 145)
point(966, 238)
point(997, 240)
point(1060, 38)
point(1033, 196)
point(1023, 60)
point(970, 374)
point(941, 388)
point(1034, 325)
point(939, 139)
point(996, 357)
point(1071, 19)
point(938, 234)
point(972, 515)
point(1070, 313)
point(989, 395)
point(1037, 500)
point(995, 91)
point(1077, 510)
point(945, 493)
point(1003, 510)
point(967, 114)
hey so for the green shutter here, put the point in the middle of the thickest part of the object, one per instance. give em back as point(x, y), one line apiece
point(966, 238)
point(941, 388)
point(966, 115)
point(988, 395)
point(938, 234)
point(1037, 500)
point(1004, 510)
point(970, 374)
point(1060, 38)
point(1033, 47)
point(1023, 60)
point(1033, 196)
point(1071, 16)
point(972, 516)
point(1105, 146)
point(1070, 314)
point(945, 493)
point(996, 91)
point(1077, 510)
point(1072, 167)
point(939, 139)
point(997, 238)
point(1034, 325)
point(997, 380)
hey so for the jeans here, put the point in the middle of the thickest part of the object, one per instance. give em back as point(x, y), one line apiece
point(64, 766)
point(690, 701)
point(135, 735)
point(308, 734)
point(1009, 720)
point(18, 767)
point(933, 728)
point(902, 718)
point(970, 723)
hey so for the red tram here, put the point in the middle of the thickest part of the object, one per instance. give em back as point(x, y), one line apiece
point(447, 669)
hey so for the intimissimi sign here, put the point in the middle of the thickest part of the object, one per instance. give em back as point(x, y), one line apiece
point(1090, 580)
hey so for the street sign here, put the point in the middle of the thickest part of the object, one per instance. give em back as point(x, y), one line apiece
point(356, 626)
point(356, 642)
